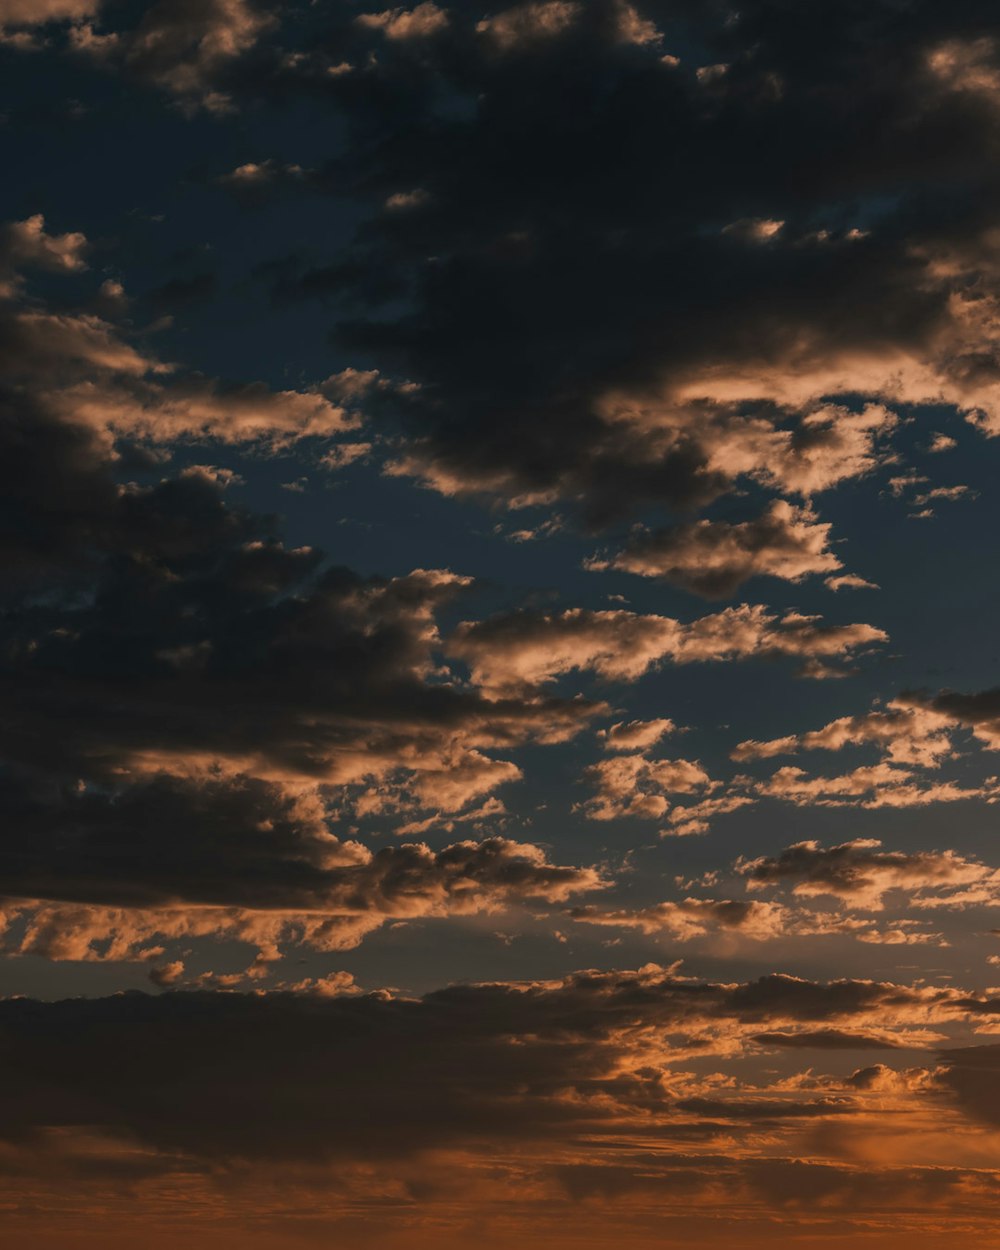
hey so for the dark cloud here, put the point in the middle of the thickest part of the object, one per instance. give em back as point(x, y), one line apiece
point(27, 244)
point(163, 628)
point(972, 1075)
point(826, 1039)
point(641, 253)
point(377, 1077)
point(57, 493)
point(246, 843)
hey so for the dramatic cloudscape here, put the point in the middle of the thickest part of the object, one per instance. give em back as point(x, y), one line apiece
point(498, 625)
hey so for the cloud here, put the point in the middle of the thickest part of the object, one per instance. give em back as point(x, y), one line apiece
point(574, 1039)
point(631, 785)
point(201, 706)
point(37, 12)
point(27, 243)
point(907, 733)
point(828, 444)
point(834, 1039)
point(714, 558)
point(694, 917)
point(972, 1076)
point(914, 735)
point(82, 371)
point(723, 365)
point(431, 1093)
point(848, 581)
point(687, 919)
point(524, 24)
point(879, 785)
point(85, 402)
point(965, 65)
point(979, 712)
point(767, 315)
point(620, 263)
point(196, 728)
point(686, 819)
point(186, 47)
point(180, 671)
point(227, 623)
point(636, 734)
point(417, 23)
point(861, 873)
point(241, 861)
point(253, 181)
point(200, 408)
point(529, 647)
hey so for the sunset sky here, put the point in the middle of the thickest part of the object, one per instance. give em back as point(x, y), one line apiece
point(499, 625)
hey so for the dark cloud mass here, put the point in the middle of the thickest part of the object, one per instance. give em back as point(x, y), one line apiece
point(393, 1076)
point(340, 1088)
point(641, 253)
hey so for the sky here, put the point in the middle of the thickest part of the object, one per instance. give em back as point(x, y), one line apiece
point(498, 625)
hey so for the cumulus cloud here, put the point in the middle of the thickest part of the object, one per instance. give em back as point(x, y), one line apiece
point(972, 1075)
point(252, 178)
point(862, 873)
point(915, 736)
point(186, 47)
point(27, 243)
point(181, 672)
point(848, 581)
point(636, 735)
point(979, 712)
point(246, 865)
point(632, 785)
point(200, 408)
point(425, 19)
point(531, 647)
point(571, 1032)
point(714, 558)
point(688, 395)
point(905, 733)
point(525, 24)
point(84, 374)
point(850, 882)
point(694, 917)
